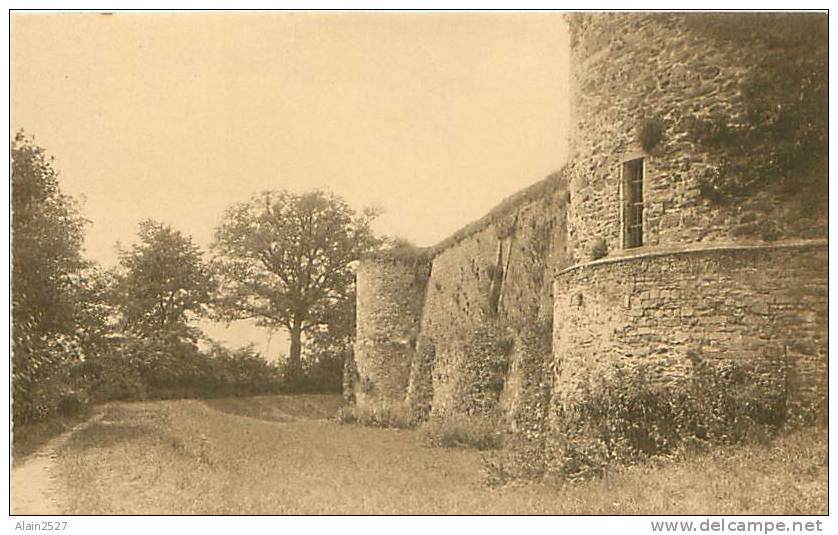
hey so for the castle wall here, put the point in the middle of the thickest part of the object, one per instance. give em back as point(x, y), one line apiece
point(629, 67)
point(744, 304)
point(435, 340)
point(459, 321)
point(743, 281)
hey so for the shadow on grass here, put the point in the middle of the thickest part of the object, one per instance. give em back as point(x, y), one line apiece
point(281, 408)
point(104, 435)
point(27, 439)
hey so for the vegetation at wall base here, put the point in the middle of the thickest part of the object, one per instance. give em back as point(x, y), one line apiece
point(525, 428)
point(487, 353)
point(387, 415)
point(627, 415)
point(458, 430)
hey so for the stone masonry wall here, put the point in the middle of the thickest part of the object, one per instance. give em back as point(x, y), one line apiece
point(389, 310)
point(744, 280)
point(529, 243)
point(629, 67)
point(730, 303)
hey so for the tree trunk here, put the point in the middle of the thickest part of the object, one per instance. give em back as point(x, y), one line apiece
point(294, 361)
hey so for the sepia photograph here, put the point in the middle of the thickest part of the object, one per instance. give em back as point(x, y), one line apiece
point(385, 262)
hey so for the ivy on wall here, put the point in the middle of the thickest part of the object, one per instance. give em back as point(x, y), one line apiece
point(481, 381)
point(779, 137)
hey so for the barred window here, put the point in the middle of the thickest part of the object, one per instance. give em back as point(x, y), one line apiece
point(632, 207)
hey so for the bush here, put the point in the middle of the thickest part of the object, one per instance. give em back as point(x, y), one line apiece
point(40, 385)
point(523, 453)
point(165, 368)
point(397, 416)
point(650, 133)
point(112, 374)
point(599, 249)
point(624, 416)
point(72, 402)
point(457, 430)
point(420, 393)
point(240, 372)
point(483, 375)
point(321, 372)
point(519, 459)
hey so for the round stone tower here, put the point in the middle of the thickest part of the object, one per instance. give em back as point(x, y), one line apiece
point(697, 222)
point(390, 293)
point(675, 135)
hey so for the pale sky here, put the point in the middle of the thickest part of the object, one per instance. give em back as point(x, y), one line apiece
point(432, 117)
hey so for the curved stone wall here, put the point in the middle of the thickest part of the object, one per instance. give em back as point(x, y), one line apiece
point(389, 308)
point(630, 67)
point(728, 302)
point(723, 281)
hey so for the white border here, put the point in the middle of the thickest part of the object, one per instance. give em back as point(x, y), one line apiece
point(366, 525)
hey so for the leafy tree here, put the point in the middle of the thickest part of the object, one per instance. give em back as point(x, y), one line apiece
point(284, 259)
point(164, 280)
point(47, 237)
point(95, 311)
point(328, 349)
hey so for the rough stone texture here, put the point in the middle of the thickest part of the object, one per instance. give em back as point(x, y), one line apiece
point(731, 303)
point(748, 287)
point(458, 295)
point(418, 334)
point(389, 307)
point(628, 67)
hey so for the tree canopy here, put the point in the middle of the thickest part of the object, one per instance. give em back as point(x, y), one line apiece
point(163, 280)
point(47, 269)
point(284, 260)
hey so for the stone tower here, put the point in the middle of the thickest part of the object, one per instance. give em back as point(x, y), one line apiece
point(682, 228)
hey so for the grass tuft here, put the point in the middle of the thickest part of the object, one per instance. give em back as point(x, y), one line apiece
point(193, 458)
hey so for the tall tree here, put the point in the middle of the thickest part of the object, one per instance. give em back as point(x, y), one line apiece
point(164, 279)
point(47, 236)
point(284, 259)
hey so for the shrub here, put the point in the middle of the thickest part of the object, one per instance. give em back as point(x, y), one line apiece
point(164, 368)
point(321, 372)
point(420, 393)
point(599, 249)
point(518, 459)
point(523, 453)
point(397, 415)
point(72, 402)
point(239, 372)
point(454, 430)
point(650, 133)
point(39, 387)
point(623, 416)
point(483, 375)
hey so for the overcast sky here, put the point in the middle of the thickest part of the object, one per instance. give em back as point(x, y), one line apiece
point(432, 117)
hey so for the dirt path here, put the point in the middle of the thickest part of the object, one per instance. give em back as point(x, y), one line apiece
point(34, 481)
point(288, 455)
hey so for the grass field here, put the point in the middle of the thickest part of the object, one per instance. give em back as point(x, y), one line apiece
point(286, 454)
